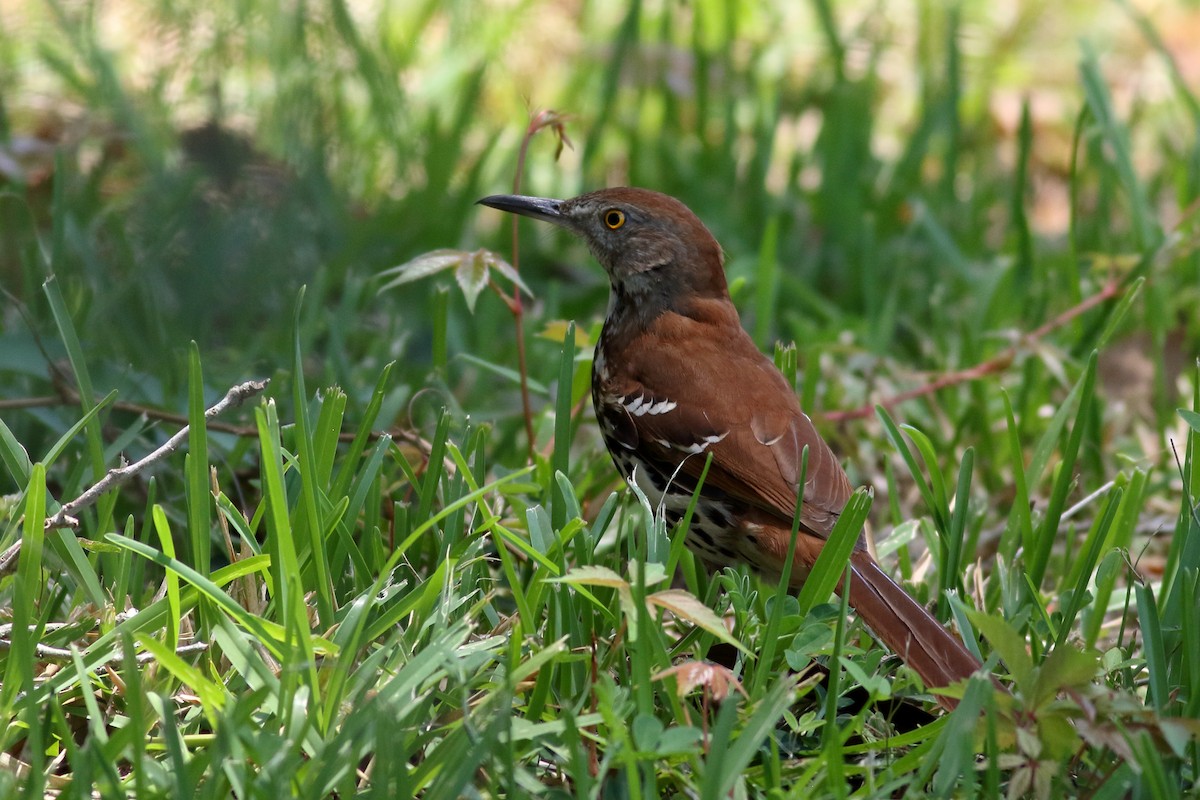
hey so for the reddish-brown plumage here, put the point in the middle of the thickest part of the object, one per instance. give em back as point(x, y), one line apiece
point(675, 377)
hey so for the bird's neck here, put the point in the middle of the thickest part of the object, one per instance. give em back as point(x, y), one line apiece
point(636, 309)
point(639, 297)
point(634, 304)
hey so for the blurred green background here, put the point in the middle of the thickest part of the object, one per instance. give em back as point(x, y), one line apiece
point(925, 197)
point(900, 189)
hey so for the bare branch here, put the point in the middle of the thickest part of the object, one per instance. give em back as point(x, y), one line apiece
point(45, 652)
point(997, 363)
point(64, 517)
point(9, 558)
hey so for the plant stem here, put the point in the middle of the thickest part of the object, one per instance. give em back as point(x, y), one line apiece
point(539, 121)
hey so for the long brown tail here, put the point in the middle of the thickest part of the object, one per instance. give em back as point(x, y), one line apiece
point(907, 628)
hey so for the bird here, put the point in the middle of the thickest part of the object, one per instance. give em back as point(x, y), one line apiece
point(676, 378)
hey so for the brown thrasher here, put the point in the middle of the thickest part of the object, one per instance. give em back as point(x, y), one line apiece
point(676, 377)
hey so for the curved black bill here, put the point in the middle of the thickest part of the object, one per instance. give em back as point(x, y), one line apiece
point(536, 207)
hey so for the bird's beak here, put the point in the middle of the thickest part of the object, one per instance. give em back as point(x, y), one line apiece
point(542, 208)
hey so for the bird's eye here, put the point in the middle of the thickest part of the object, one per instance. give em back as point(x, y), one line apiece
point(613, 219)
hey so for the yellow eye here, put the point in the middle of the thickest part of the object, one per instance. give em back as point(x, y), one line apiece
point(613, 219)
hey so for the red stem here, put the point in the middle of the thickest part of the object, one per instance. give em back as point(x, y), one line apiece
point(518, 310)
point(540, 120)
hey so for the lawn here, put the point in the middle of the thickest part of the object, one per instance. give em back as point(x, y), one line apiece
point(393, 559)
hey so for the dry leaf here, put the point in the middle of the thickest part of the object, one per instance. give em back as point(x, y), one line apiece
point(691, 674)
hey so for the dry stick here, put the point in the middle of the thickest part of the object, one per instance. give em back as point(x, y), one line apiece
point(64, 519)
point(45, 652)
point(68, 397)
point(995, 364)
point(8, 404)
point(234, 397)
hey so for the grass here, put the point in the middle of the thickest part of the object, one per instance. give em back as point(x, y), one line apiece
point(367, 581)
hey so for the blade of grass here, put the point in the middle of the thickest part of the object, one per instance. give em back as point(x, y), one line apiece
point(950, 572)
point(1156, 657)
point(1038, 556)
point(834, 556)
point(1084, 568)
point(561, 458)
point(170, 580)
point(306, 523)
point(285, 574)
point(729, 754)
point(83, 381)
point(347, 472)
point(775, 620)
point(15, 457)
point(198, 495)
point(1095, 89)
point(27, 590)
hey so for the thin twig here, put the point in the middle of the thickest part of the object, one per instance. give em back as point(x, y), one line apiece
point(1187, 495)
point(518, 309)
point(45, 652)
point(8, 558)
point(66, 397)
point(17, 403)
point(64, 517)
point(997, 363)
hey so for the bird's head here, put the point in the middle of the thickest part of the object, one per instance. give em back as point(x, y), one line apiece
point(648, 243)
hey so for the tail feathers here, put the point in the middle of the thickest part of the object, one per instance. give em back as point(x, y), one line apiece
point(907, 628)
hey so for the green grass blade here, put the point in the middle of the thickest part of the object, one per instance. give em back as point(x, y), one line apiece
point(1096, 91)
point(170, 581)
point(15, 457)
point(1084, 568)
point(1048, 532)
point(1156, 657)
point(950, 572)
point(288, 593)
point(830, 564)
point(27, 586)
point(199, 482)
point(561, 458)
point(307, 522)
point(83, 380)
point(363, 435)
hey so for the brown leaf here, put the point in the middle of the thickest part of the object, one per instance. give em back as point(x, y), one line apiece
point(690, 674)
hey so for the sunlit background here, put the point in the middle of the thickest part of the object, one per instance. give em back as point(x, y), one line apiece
point(874, 171)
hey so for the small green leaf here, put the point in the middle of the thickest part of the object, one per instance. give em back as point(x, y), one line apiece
point(679, 740)
point(652, 572)
point(877, 685)
point(812, 639)
point(1057, 735)
point(15, 456)
point(647, 730)
point(1007, 642)
point(1065, 668)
